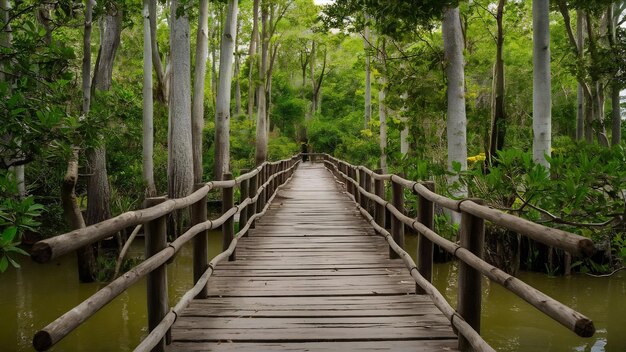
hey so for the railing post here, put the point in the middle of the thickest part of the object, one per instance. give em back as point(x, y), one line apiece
point(355, 190)
point(426, 216)
point(470, 292)
point(368, 188)
point(379, 210)
point(244, 190)
point(156, 282)
point(228, 228)
point(348, 173)
point(200, 241)
point(362, 198)
point(251, 210)
point(397, 226)
point(262, 178)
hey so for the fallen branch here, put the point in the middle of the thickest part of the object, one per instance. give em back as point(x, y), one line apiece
point(125, 249)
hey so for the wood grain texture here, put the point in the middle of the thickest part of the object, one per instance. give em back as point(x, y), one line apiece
point(312, 276)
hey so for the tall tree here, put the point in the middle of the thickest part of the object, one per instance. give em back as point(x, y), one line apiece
point(368, 74)
point(222, 109)
point(542, 100)
point(456, 124)
point(162, 76)
point(197, 113)
point(6, 39)
point(616, 114)
point(498, 113)
point(252, 50)
point(148, 126)
point(237, 70)
point(71, 211)
point(98, 189)
point(382, 107)
point(180, 163)
point(261, 118)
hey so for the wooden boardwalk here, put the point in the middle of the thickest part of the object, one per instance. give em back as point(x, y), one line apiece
point(312, 276)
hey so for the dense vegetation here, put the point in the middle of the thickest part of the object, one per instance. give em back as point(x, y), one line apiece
point(316, 61)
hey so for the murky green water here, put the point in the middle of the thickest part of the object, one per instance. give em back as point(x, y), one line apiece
point(35, 295)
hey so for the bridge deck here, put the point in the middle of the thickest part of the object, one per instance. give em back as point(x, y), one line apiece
point(312, 276)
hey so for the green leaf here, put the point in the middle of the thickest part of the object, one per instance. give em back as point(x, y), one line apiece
point(4, 264)
point(9, 234)
point(14, 249)
point(13, 262)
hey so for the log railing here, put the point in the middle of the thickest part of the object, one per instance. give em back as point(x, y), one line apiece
point(367, 189)
point(257, 187)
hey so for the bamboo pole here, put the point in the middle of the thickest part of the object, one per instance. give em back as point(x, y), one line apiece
point(426, 216)
point(200, 243)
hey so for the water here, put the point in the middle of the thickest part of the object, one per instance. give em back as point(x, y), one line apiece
point(36, 294)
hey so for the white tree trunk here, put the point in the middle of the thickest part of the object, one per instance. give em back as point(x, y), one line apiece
point(542, 102)
point(197, 112)
point(261, 118)
point(222, 108)
point(382, 116)
point(148, 129)
point(456, 120)
point(368, 78)
point(251, 53)
point(580, 95)
point(180, 163)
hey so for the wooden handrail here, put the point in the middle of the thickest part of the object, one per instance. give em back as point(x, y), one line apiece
point(559, 312)
point(567, 241)
point(63, 325)
point(477, 342)
point(52, 248)
point(159, 332)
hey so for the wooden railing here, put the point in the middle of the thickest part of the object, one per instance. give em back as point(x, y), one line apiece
point(257, 188)
point(367, 188)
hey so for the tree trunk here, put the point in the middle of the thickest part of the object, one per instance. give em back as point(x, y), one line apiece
point(180, 163)
point(74, 218)
point(251, 56)
point(268, 90)
point(382, 108)
point(456, 124)
point(6, 41)
point(162, 81)
point(597, 93)
point(98, 189)
point(580, 94)
point(197, 112)
point(368, 77)
point(261, 125)
point(71, 211)
point(237, 71)
point(148, 115)
point(222, 109)
point(616, 115)
point(313, 86)
point(498, 114)
point(542, 101)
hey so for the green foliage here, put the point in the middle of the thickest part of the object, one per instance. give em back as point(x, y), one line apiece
point(16, 216)
point(582, 192)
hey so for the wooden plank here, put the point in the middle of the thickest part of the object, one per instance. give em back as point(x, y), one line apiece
point(312, 276)
point(338, 346)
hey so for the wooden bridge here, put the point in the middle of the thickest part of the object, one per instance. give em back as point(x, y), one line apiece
point(318, 264)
